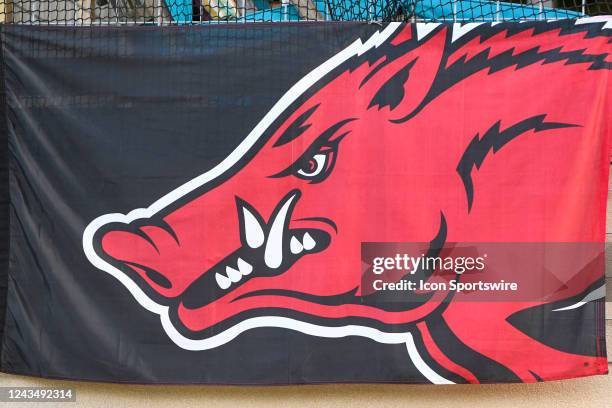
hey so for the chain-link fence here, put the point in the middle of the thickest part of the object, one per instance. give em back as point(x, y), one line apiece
point(94, 12)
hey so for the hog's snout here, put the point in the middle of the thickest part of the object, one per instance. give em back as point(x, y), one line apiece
point(172, 265)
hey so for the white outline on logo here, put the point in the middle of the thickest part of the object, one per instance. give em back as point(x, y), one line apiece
point(357, 48)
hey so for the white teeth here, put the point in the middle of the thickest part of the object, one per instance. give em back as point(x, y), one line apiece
point(223, 281)
point(273, 255)
point(253, 230)
point(244, 267)
point(308, 242)
point(295, 246)
point(233, 274)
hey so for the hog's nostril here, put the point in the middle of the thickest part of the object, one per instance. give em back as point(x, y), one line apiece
point(135, 250)
point(138, 243)
point(152, 274)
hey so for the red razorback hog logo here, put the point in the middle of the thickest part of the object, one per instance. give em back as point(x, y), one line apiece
point(423, 133)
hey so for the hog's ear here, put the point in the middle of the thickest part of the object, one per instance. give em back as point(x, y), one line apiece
point(398, 85)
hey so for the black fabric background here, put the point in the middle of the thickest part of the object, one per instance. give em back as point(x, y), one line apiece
point(4, 202)
point(110, 119)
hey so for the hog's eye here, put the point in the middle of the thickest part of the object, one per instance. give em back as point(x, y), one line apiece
point(316, 167)
point(317, 162)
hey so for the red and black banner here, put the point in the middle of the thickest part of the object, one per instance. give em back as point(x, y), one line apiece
point(305, 203)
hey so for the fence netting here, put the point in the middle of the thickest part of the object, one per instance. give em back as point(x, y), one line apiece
point(161, 12)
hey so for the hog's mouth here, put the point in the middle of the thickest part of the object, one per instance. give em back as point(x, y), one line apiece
point(268, 249)
point(272, 249)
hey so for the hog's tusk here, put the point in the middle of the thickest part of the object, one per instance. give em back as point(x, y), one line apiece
point(273, 255)
point(253, 230)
